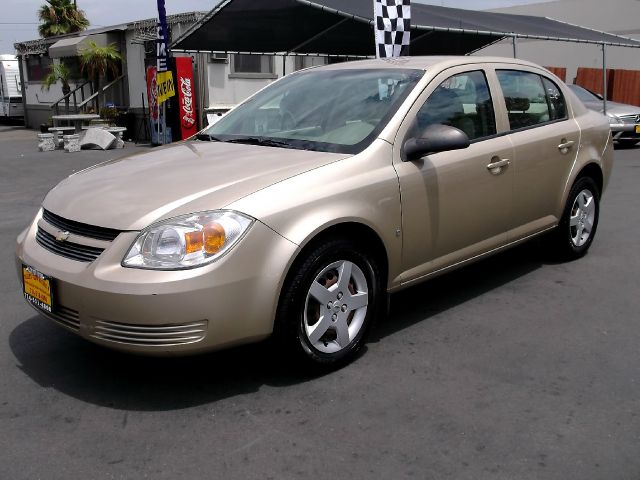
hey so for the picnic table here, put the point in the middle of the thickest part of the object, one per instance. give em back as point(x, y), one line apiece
point(78, 119)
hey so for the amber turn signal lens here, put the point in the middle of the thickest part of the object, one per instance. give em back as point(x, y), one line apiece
point(193, 242)
point(214, 238)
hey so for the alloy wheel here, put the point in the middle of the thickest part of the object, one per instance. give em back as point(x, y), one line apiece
point(582, 219)
point(336, 306)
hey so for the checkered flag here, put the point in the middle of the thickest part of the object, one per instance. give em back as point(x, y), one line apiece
point(393, 27)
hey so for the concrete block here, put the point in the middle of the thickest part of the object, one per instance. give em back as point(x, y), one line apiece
point(45, 142)
point(72, 143)
point(97, 137)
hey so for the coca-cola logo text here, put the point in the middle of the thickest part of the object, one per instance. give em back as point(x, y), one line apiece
point(186, 103)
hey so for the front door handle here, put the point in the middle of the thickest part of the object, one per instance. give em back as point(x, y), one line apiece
point(498, 166)
point(565, 146)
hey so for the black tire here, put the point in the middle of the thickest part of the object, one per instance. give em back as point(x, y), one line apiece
point(566, 241)
point(297, 307)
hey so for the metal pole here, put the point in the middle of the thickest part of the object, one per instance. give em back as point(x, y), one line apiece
point(23, 87)
point(605, 87)
point(515, 46)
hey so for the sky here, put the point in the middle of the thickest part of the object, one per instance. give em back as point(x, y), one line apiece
point(19, 20)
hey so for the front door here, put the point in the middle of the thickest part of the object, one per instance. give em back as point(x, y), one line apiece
point(455, 205)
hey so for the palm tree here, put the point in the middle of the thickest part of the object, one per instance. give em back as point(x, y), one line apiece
point(59, 72)
point(97, 61)
point(59, 17)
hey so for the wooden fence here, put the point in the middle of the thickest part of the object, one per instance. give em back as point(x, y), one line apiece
point(626, 86)
point(622, 85)
point(591, 79)
point(559, 72)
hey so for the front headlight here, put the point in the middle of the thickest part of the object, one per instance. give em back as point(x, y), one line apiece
point(187, 242)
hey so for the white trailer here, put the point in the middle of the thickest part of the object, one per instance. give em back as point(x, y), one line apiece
point(10, 87)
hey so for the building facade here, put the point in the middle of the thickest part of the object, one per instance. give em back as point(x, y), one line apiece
point(136, 43)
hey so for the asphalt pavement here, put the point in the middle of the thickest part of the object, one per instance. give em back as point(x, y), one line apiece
point(513, 368)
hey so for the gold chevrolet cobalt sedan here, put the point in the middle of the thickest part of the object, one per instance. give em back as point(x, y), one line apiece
point(300, 211)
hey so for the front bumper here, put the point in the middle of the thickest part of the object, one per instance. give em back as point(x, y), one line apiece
point(625, 131)
point(228, 302)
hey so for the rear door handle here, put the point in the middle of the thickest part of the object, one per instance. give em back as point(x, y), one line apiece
point(498, 167)
point(565, 146)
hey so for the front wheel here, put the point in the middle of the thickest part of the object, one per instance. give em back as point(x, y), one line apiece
point(328, 304)
point(579, 222)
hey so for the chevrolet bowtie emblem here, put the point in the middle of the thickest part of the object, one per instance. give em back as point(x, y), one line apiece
point(62, 236)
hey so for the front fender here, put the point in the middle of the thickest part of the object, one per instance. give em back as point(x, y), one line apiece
point(361, 189)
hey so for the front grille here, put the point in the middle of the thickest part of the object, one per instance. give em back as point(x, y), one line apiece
point(77, 228)
point(630, 118)
point(66, 317)
point(150, 336)
point(74, 251)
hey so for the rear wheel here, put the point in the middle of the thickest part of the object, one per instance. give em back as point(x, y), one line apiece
point(579, 222)
point(328, 304)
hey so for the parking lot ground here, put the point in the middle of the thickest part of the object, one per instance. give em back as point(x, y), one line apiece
point(513, 368)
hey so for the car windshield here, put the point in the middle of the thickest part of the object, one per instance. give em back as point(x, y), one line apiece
point(584, 94)
point(323, 110)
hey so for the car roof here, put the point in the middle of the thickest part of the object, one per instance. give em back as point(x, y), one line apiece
point(425, 63)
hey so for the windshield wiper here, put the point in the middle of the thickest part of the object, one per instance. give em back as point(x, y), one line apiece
point(265, 142)
point(205, 137)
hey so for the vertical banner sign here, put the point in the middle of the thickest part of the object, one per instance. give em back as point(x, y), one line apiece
point(163, 34)
point(166, 87)
point(392, 24)
point(186, 97)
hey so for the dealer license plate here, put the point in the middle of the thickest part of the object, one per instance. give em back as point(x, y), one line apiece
point(637, 128)
point(37, 288)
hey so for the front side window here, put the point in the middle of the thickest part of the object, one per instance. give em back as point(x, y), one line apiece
point(529, 100)
point(462, 101)
point(324, 110)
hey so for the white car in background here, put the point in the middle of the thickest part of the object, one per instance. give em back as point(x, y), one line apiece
point(624, 119)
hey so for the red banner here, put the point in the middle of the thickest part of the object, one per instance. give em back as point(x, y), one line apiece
point(186, 97)
point(152, 93)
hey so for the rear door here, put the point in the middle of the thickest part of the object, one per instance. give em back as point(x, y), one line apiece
point(546, 141)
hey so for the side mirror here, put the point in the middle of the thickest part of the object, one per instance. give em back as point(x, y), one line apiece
point(434, 139)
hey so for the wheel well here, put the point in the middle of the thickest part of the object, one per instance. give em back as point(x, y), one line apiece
point(363, 235)
point(594, 172)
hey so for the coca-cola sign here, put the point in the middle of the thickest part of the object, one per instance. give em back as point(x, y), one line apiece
point(186, 97)
point(186, 103)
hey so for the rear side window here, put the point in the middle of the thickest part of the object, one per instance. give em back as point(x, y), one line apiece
point(462, 101)
point(530, 99)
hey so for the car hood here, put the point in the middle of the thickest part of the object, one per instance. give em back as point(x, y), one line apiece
point(615, 108)
point(132, 193)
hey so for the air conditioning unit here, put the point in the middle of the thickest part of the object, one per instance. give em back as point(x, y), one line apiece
point(219, 58)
